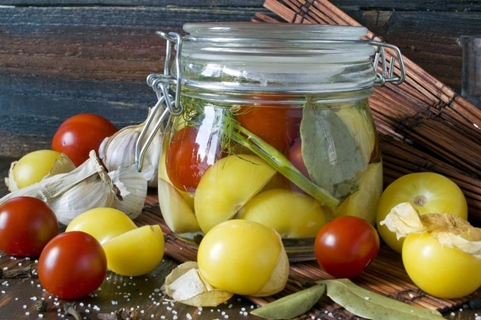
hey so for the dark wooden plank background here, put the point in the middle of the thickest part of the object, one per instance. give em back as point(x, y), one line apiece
point(61, 57)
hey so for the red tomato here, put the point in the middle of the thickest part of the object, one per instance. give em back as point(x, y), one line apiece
point(72, 265)
point(187, 160)
point(27, 224)
point(80, 134)
point(277, 125)
point(294, 154)
point(345, 246)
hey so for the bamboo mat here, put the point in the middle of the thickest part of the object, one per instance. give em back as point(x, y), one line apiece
point(385, 275)
point(423, 124)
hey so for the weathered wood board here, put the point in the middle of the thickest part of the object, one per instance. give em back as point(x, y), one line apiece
point(60, 57)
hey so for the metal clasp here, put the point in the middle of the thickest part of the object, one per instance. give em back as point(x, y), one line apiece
point(168, 100)
point(387, 71)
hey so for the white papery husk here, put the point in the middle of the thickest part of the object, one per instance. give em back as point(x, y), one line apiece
point(185, 284)
point(118, 150)
point(449, 230)
point(279, 276)
point(62, 164)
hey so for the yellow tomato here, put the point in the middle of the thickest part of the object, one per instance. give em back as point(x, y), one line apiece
point(428, 192)
point(102, 223)
point(34, 166)
point(135, 252)
point(240, 256)
point(443, 272)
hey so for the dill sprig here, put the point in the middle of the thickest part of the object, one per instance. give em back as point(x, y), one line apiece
point(223, 120)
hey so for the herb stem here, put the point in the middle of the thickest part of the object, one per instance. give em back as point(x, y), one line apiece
point(278, 161)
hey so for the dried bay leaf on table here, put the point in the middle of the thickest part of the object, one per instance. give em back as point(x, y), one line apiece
point(370, 305)
point(292, 305)
point(355, 299)
point(330, 152)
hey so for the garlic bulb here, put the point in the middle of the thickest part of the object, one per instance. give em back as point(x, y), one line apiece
point(89, 186)
point(119, 150)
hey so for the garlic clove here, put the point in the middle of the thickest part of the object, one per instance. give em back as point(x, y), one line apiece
point(118, 150)
point(131, 188)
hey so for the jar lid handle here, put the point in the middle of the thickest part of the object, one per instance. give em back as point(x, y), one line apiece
point(168, 101)
point(387, 70)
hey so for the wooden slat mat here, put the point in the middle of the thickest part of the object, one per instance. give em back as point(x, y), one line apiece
point(428, 117)
point(385, 275)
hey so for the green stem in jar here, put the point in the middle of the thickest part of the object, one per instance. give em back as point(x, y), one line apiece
point(279, 162)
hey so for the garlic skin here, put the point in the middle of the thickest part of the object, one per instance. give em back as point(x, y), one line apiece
point(118, 150)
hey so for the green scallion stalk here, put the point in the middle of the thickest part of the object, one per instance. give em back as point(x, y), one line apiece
point(279, 162)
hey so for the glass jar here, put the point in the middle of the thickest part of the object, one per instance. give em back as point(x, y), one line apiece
point(271, 123)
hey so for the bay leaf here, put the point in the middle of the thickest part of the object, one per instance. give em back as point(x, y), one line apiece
point(370, 305)
point(329, 151)
point(292, 305)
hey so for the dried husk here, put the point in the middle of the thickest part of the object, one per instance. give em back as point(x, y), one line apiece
point(278, 280)
point(185, 284)
point(449, 230)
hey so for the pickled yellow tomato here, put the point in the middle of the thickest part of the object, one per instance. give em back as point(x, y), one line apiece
point(102, 223)
point(363, 203)
point(34, 166)
point(227, 186)
point(243, 257)
point(291, 214)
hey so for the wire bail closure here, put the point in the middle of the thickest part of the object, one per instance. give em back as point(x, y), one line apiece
point(387, 71)
point(169, 100)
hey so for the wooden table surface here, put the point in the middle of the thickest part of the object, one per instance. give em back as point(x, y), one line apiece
point(19, 297)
